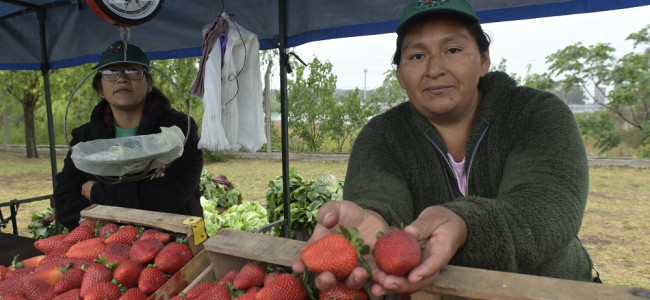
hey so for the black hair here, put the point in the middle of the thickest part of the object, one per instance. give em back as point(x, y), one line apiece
point(483, 40)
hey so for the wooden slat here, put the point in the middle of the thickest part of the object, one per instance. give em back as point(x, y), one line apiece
point(183, 277)
point(231, 249)
point(485, 284)
point(166, 221)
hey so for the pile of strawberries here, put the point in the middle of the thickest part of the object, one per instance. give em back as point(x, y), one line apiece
point(91, 262)
point(249, 283)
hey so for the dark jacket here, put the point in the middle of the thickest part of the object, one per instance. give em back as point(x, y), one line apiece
point(527, 171)
point(177, 192)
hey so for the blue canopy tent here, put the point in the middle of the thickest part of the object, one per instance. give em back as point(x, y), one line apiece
point(52, 34)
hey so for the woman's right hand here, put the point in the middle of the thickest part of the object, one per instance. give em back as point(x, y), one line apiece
point(346, 213)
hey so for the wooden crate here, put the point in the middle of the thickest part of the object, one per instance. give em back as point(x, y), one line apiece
point(229, 249)
point(177, 225)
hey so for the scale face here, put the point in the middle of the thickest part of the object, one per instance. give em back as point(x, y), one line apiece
point(126, 12)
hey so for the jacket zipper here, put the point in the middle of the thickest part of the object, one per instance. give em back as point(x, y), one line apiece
point(474, 148)
point(456, 193)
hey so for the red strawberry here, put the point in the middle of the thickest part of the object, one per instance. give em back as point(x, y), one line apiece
point(108, 229)
point(50, 275)
point(116, 252)
point(72, 294)
point(25, 263)
point(216, 292)
point(104, 290)
point(133, 294)
point(199, 289)
point(48, 244)
point(333, 253)
point(151, 278)
point(251, 274)
point(19, 296)
point(179, 297)
point(340, 292)
point(250, 293)
point(173, 257)
point(3, 271)
point(93, 275)
point(71, 280)
point(11, 285)
point(229, 277)
point(88, 249)
point(127, 273)
point(20, 273)
point(271, 276)
point(36, 289)
point(397, 252)
point(145, 250)
point(285, 286)
point(157, 234)
point(58, 252)
point(127, 234)
point(83, 232)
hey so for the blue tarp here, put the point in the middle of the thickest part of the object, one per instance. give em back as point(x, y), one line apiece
point(74, 35)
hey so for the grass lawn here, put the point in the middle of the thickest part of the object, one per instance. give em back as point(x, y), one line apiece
point(615, 227)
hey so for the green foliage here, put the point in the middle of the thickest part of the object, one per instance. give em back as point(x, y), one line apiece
point(621, 85)
point(389, 94)
point(215, 157)
point(347, 118)
point(214, 189)
point(305, 198)
point(182, 72)
point(310, 100)
point(246, 216)
point(599, 127)
point(43, 224)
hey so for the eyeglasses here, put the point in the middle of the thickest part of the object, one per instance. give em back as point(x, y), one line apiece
point(130, 73)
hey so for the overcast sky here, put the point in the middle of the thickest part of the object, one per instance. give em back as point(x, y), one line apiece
point(522, 43)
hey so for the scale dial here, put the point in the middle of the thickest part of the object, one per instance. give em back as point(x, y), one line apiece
point(126, 12)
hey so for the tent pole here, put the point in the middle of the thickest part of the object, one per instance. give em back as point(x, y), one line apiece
point(45, 69)
point(284, 62)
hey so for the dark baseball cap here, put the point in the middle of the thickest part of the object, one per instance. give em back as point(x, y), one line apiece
point(418, 8)
point(121, 52)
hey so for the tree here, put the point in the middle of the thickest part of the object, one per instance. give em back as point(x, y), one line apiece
point(621, 86)
point(267, 58)
point(346, 118)
point(181, 73)
point(310, 101)
point(63, 83)
point(26, 87)
point(389, 94)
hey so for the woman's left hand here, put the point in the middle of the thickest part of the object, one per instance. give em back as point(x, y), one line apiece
point(443, 233)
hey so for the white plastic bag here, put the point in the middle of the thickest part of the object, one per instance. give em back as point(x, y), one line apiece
point(129, 155)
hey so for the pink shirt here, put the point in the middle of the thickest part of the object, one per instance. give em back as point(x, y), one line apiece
point(459, 169)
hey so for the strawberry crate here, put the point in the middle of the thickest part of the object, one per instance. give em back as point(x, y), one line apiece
point(229, 249)
point(176, 225)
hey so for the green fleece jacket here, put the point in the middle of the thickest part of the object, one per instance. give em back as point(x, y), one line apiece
point(528, 179)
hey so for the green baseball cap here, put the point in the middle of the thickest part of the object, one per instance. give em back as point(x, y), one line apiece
point(121, 52)
point(418, 8)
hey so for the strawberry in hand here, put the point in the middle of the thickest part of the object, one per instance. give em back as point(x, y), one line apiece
point(396, 252)
point(336, 253)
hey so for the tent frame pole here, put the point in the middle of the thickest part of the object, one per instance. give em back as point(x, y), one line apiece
point(45, 70)
point(284, 63)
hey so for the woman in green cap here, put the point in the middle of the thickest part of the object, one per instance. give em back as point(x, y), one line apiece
point(484, 173)
point(130, 105)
